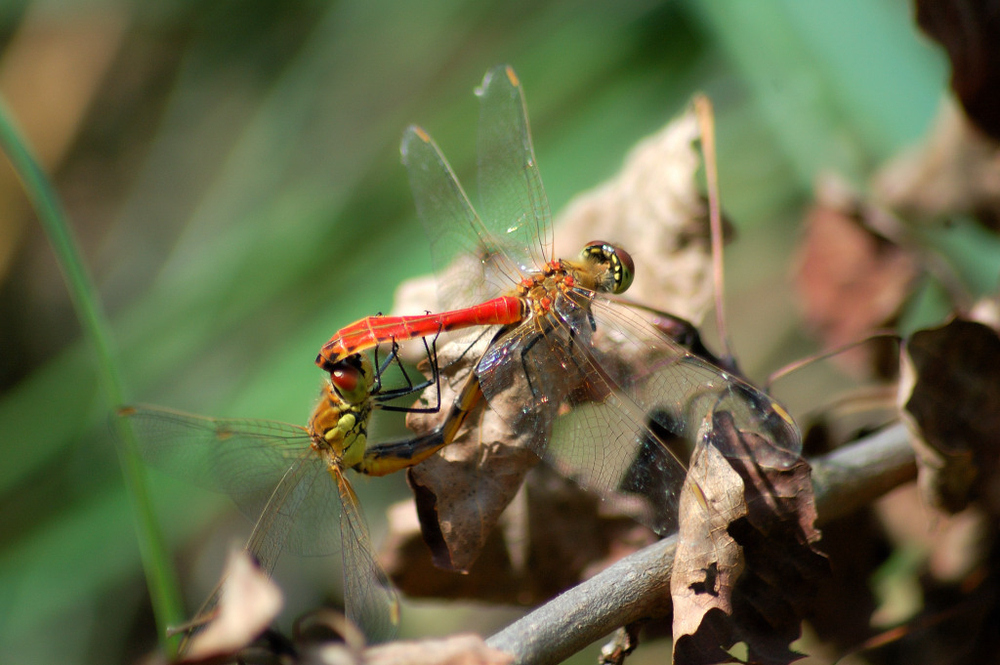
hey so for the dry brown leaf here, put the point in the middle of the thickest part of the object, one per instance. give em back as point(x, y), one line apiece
point(850, 280)
point(455, 650)
point(746, 565)
point(462, 490)
point(969, 30)
point(654, 209)
point(558, 536)
point(950, 402)
point(956, 171)
point(708, 560)
point(248, 603)
point(407, 560)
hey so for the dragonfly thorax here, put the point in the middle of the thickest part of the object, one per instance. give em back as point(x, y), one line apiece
point(539, 291)
point(339, 426)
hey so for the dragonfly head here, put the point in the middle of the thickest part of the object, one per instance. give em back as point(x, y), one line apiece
point(352, 378)
point(620, 268)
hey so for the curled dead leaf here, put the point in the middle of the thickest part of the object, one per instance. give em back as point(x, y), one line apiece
point(553, 536)
point(950, 401)
point(461, 491)
point(408, 561)
point(969, 30)
point(747, 564)
point(708, 560)
point(248, 602)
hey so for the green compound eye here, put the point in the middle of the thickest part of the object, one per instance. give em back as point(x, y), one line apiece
point(621, 268)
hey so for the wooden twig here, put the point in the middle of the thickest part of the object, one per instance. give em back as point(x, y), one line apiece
point(845, 481)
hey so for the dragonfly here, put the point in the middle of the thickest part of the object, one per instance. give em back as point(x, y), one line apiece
point(603, 390)
point(274, 473)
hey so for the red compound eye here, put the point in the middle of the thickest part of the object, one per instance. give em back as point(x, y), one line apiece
point(345, 379)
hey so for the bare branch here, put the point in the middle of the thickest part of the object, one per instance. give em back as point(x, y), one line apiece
point(638, 586)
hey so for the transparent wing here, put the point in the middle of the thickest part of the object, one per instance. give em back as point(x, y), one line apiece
point(299, 515)
point(513, 204)
point(469, 265)
point(268, 468)
point(229, 455)
point(585, 426)
point(631, 401)
point(526, 374)
point(369, 597)
point(659, 375)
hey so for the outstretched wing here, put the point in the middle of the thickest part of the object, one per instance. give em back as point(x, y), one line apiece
point(512, 201)
point(222, 454)
point(369, 597)
point(470, 266)
point(618, 403)
point(268, 468)
point(479, 256)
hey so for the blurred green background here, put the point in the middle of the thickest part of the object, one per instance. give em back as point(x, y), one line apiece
point(231, 172)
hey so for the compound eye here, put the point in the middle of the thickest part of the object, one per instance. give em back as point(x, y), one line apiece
point(351, 378)
point(621, 268)
point(345, 378)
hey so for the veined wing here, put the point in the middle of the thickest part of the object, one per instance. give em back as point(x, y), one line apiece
point(268, 468)
point(222, 454)
point(299, 515)
point(512, 201)
point(604, 442)
point(368, 595)
point(658, 374)
point(469, 267)
point(647, 400)
point(633, 401)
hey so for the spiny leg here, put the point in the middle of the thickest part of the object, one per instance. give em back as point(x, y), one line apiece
point(381, 396)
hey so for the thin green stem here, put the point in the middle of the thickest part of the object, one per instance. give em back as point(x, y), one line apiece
point(160, 575)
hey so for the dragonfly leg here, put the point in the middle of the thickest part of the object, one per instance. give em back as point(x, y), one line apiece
point(547, 328)
point(376, 389)
point(385, 458)
point(524, 363)
point(526, 349)
point(381, 396)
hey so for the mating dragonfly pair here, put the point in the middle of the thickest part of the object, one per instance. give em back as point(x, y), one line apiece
point(598, 383)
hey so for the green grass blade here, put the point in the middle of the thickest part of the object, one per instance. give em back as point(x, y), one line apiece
point(160, 575)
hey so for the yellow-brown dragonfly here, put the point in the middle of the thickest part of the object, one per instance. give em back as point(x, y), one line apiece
point(274, 472)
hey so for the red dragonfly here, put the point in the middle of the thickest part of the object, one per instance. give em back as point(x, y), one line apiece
point(601, 386)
